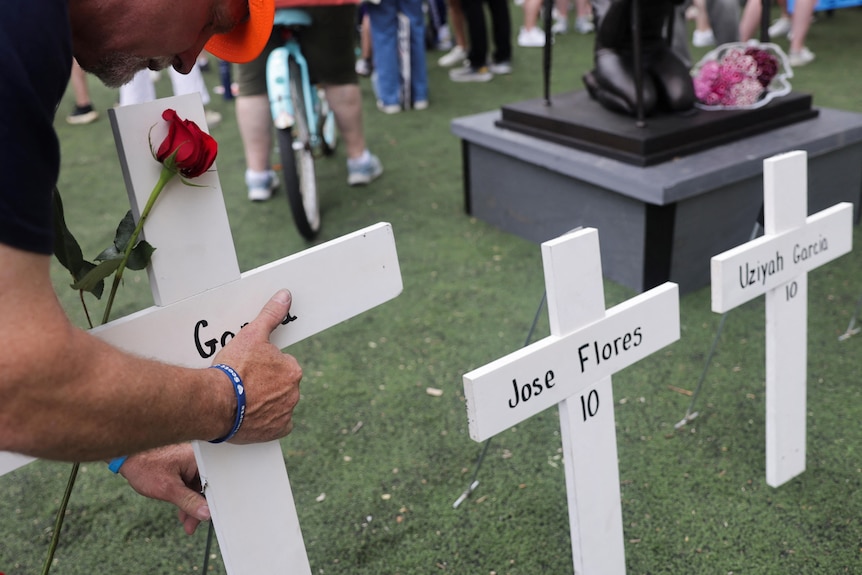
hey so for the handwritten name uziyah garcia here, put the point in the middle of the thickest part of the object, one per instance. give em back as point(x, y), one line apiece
point(753, 273)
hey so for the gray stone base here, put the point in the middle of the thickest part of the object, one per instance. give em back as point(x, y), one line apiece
point(656, 223)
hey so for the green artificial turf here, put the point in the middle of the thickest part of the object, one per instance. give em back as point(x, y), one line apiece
point(376, 462)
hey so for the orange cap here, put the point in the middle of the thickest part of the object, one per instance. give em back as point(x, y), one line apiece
point(246, 41)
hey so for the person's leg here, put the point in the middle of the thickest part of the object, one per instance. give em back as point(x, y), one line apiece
point(458, 30)
point(803, 13)
point(346, 103)
point(724, 18)
point(474, 13)
point(457, 23)
point(255, 129)
point(584, 19)
point(750, 20)
point(83, 112)
point(79, 85)
point(328, 49)
point(530, 35)
point(363, 65)
point(561, 16)
point(418, 70)
point(190, 83)
point(254, 121)
point(138, 90)
point(501, 28)
point(384, 40)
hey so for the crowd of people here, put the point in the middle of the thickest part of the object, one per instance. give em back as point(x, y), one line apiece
point(459, 28)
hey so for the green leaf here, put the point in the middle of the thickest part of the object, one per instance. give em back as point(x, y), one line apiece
point(68, 251)
point(124, 232)
point(96, 289)
point(97, 274)
point(66, 247)
point(140, 257)
point(110, 253)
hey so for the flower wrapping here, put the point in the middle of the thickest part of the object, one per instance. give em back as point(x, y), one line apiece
point(740, 76)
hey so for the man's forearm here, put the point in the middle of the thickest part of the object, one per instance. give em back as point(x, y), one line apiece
point(88, 400)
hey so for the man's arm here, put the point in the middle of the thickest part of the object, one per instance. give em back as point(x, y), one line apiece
point(69, 396)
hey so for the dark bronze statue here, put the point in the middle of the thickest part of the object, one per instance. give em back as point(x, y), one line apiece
point(663, 85)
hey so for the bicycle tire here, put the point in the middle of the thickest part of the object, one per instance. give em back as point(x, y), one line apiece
point(296, 165)
point(297, 162)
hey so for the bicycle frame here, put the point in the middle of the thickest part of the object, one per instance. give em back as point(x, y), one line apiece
point(278, 77)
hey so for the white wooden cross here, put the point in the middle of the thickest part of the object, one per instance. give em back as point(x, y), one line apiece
point(777, 264)
point(572, 368)
point(202, 299)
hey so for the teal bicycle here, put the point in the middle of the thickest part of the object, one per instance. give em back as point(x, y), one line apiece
point(304, 123)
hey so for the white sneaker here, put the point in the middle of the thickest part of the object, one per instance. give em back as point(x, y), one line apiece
point(804, 56)
point(500, 68)
point(420, 105)
point(453, 57)
point(780, 27)
point(560, 26)
point(260, 184)
point(388, 108)
point(361, 173)
point(584, 25)
point(703, 38)
point(533, 38)
point(213, 118)
point(363, 67)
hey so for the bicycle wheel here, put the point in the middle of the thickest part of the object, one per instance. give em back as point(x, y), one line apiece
point(298, 163)
point(297, 166)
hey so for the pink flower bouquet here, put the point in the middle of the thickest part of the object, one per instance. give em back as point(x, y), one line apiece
point(741, 76)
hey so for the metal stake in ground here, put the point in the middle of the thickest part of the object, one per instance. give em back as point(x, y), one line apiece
point(474, 481)
point(690, 414)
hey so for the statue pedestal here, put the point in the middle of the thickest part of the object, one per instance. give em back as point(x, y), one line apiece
point(659, 222)
point(575, 120)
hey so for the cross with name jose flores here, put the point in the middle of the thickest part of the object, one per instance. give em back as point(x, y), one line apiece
point(777, 264)
point(572, 368)
point(202, 300)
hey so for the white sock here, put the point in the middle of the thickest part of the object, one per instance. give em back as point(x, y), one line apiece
point(364, 158)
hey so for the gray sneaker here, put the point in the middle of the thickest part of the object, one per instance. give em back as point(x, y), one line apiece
point(471, 74)
point(364, 173)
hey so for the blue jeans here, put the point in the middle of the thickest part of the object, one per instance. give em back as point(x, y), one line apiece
point(384, 42)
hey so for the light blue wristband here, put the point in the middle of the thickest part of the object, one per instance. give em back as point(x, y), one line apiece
point(116, 463)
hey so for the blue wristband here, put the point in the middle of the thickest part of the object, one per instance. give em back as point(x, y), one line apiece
point(116, 463)
point(240, 400)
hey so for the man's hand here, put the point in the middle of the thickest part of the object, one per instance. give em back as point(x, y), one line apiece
point(170, 474)
point(271, 378)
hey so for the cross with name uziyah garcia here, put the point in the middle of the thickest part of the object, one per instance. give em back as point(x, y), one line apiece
point(777, 264)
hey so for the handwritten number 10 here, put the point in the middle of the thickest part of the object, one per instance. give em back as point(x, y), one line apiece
point(590, 404)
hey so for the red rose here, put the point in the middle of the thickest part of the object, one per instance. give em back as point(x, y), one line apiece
point(193, 150)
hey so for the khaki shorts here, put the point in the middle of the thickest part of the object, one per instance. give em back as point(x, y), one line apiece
point(328, 47)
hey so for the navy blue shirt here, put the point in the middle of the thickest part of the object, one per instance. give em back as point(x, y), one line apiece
point(35, 64)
